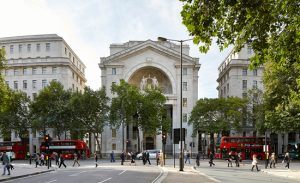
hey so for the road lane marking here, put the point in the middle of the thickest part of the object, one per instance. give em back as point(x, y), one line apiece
point(105, 180)
point(51, 181)
point(122, 172)
point(75, 174)
point(154, 181)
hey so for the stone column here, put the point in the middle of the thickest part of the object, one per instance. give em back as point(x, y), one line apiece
point(30, 142)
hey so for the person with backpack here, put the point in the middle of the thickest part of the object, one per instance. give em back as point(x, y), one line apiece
point(5, 162)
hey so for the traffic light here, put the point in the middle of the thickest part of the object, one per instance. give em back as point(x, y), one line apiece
point(164, 138)
point(47, 140)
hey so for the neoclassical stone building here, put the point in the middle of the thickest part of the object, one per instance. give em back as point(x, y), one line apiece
point(148, 64)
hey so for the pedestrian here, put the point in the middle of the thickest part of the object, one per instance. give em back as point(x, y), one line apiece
point(122, 156)
point(5, 162)
point(42, 159)
point(132, 159)
point(229, 159)
point(287, 159)
point(187, 156)
point(237, 160)
point(198, 159)
point(62, 161)
point(37, 160)
point(157, 158)
point(254, 162)
point(273, 160)
point(161, 158)
point(112, 157)
point(148, 157)
point(211, 159)
point(76, 159)
point(96, 159)
point(267, 159)
point(144, 157)
point(56, 158)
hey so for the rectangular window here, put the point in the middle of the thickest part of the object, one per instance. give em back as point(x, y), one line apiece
point(33, 84)
point(113, 147)
point(25, 71)
point(11, 49)
point(73, 75)
point(24, 84)
point(16, 72)
point(73, 87)
point(38, 47)
point(255, 72)
point(34, 96)
point(184, 117)
point(54, 70)
point(44, 70)
point(20, 48)
point(113, 71)
point(244, 84)
point(34, 71)
point(227, 88)
point(47, 46)
point(184, 102)
point(113, 133)
point(249, 49)
point(44, 83)
point(73, 60)
point(65, 51)
point(15, 85)
point(244, 72)
point(184, 71)
point(28, 47)
point(184, 86)
point(244, 95)
point(70, 55)
point(254, 84)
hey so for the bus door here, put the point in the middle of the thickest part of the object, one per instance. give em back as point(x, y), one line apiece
point(247, 153)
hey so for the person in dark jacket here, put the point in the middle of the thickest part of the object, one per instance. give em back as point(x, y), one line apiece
point(211, 159)
point(198, 159)
point(287, 159)
point(62, 161)
point(96, 159)
point(148, 157)
point(5, 161)
point(122, 156)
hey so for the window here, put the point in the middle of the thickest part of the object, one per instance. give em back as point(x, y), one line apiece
point(65, 51)
point(28, 47)
point(33, 84)
point(184, 86)
point(249, 49)
point(73, 87)
point(113, 83)
point(113, 71)
point(73, 75)
point(34, 96)
point(184, 117)
point(20, 48)
point(70, 55)
point(184, 71)
point(244, 95)
point(184, 102)
point(44, 70)
point(38, 47)
point(76, 78)
point(11, 49)
point(244, 72)
point(255, 72)
point(44, 83)
point(254, 84)
point(113, 147)
point(16, 72)
point(24, 71)
point(113, 133)
point(54, 70)
point(7, 83)
point(34, 71)
point(15, 85)
point(244, 84)
point(47, 46)
point(227, 88)
point(24, 84)
point(73, 60)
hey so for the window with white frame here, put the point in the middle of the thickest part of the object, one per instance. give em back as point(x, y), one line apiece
point(28, 47)
point(47, 46)
point(38, 47)
point(44, 70)
point(244, 84)
point(15, 85)
point(254, 84)
point(113, 133)
point(54, 70)
point(184, 71)
point(184, 102)
point(66, 51)
point(184, 86)
point(255, 72)
point(11, 49)
point(34, 95)
point(16, 72)
point(44, 83)
point(25, 71)
point(184, 117)
point(244, 72)
point(227, 88)
point(244, 95)
point(24, 84)
point(113, 71)
point(34, 71)
point(20, 48)
point(249, 49)
point(34, 84)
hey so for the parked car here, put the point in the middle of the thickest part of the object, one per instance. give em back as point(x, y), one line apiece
point(152, 154)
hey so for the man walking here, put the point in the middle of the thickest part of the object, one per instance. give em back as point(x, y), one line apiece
point(62, 161)
point(273, 160)
point(211, 159)
point(5, 160)
point(287, 159)
point(76, 159)
point(122, 157)
point(187, 156)
point(198, 159)
point(148, 157)
point(96, 159)
point(112, 157)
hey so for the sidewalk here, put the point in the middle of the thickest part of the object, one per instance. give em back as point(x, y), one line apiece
point(280, 170)
point(23, 170)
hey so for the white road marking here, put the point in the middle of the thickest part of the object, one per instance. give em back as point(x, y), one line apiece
point(51, 181)
point(105, 180)
point(75, 174)
point(122, 172)
point(154, 181)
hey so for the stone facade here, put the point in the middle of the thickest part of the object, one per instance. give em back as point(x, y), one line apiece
point(148, 64)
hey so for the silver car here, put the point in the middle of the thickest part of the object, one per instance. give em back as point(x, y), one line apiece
point(152, 154)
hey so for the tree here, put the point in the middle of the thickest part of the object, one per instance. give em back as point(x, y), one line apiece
point(16, 117)
point(3, 86)
point(90, 112)
point(217, 115)
point(271, 28)
point(50, 109)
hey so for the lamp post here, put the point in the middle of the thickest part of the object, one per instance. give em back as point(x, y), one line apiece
point(181, 132)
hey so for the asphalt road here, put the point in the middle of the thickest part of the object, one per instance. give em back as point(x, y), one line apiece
point(93, 175)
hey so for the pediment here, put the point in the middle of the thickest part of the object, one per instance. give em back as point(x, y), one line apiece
point(148, 45)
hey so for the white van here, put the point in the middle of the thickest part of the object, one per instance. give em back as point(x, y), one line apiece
point(152, 154)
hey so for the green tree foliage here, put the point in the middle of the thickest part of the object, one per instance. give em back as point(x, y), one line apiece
point(50, 109)
point(90, 112)
point(16, 117)
point(3, 87)
point(272, 29)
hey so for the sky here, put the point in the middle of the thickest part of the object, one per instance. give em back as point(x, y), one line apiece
point(90, 26)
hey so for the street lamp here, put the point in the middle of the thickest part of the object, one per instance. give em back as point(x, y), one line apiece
point(181, 132)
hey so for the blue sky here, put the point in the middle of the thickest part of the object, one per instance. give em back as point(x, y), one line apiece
point(90, 26)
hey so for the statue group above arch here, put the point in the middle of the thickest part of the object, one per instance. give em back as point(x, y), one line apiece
point(144, 83)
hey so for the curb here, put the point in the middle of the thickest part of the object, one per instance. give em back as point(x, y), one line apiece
point(25, 175)
point(163, 174)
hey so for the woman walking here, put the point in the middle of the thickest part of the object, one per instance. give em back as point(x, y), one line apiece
point(254, 162)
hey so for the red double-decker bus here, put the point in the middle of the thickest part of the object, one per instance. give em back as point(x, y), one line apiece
point(67, 148)
point(16, 150)
point(248, 146)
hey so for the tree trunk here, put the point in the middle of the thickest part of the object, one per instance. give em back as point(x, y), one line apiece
point(98, 144)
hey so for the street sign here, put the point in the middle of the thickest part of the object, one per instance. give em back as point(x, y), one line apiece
point(266, 148)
